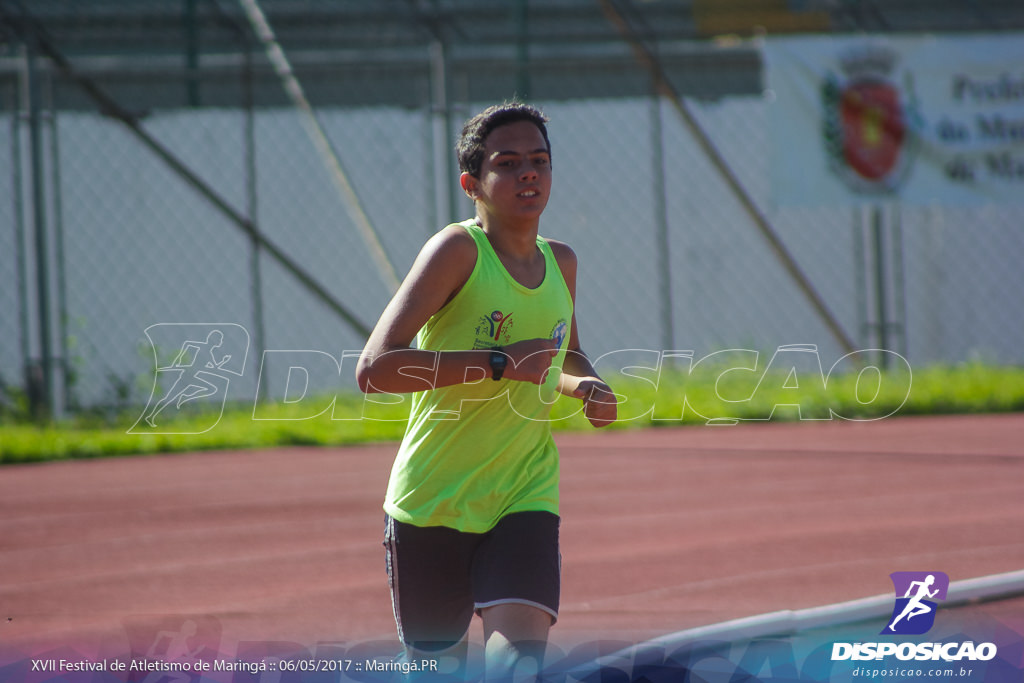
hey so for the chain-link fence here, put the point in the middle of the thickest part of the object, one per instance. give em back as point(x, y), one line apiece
point(155, 196)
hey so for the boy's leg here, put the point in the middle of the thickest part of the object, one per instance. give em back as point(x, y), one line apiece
point(429, 576)
point(515, 637)
point(516, 585)
point(449, 664)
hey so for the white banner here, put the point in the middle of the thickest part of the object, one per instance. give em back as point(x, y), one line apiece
point(922, 120)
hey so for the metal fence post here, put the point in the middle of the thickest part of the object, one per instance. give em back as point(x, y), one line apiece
point(252, 198)
point(662, 241)
point(41, 374)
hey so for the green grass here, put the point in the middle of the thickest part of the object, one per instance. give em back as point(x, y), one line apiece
point(677, 399)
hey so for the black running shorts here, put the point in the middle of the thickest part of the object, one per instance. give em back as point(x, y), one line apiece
point(439, 576)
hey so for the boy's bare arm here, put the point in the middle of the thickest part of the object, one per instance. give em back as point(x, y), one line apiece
point(405, 370)
point(579, 378)
point(389, 363)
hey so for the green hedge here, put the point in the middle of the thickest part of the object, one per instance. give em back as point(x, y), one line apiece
point(676, 399)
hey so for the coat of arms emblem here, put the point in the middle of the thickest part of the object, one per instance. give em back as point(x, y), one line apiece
point(867, 117)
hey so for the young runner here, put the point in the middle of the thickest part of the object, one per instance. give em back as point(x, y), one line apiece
point(472, 503)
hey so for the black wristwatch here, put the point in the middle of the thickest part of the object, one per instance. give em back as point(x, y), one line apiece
point(498, 362)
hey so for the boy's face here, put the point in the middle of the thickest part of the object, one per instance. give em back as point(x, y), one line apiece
point(515, 175)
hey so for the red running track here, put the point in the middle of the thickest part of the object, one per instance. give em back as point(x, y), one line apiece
point(663, 530)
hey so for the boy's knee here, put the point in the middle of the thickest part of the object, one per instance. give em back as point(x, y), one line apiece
point(515, 640)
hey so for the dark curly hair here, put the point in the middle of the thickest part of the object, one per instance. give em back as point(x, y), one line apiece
point(470, 147)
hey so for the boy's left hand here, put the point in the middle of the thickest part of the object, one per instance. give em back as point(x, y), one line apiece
point(599, 402)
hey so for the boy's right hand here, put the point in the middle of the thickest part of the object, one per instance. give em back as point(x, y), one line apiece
point(529, 360)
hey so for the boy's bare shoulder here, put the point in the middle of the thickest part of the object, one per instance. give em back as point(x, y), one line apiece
point(563, 253)
point(451, 243)
point(449, 254)
point(567, 262)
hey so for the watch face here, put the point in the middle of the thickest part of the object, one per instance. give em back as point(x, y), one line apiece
point(498, 362)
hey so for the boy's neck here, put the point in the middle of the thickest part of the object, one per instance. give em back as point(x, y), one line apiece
point(518, 240)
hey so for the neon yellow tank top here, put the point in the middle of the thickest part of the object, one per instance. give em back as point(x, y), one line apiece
point(473, 453)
